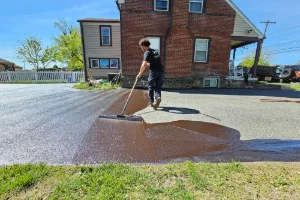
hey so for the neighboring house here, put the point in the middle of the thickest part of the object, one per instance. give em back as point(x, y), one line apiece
point(101, 43)
point(18, 68)
point(194, 38)
point(6, 65)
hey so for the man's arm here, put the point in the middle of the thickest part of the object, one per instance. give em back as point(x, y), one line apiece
point(143, 67)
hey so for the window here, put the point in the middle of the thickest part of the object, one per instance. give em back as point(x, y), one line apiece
point(196, 6)
point(161, 5)
point(94, 63)
point(211, 82)
point(155, 43)
point(201, 50)
point(105, 35)
point(296, 68)
point(114, 63)
point(278, 71)
point(104, 63)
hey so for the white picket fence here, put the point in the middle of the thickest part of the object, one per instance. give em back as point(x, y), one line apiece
point(41, 77)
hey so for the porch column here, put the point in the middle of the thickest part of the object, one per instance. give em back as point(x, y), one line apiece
point(234, 51)
point(257, 55)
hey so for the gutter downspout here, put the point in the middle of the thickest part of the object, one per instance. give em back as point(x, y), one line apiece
point(168, 32)
point(83, 53)
point(121, 35)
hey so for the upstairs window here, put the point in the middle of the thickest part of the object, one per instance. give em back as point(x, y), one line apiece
point(201, 50)
point(196, 6)
point(105, 35)
point(161, 5)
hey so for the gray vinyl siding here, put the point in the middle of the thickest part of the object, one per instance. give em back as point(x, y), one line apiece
point(93, 49)
point(240, 26)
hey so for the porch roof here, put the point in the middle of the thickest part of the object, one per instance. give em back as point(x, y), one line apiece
point(2, 61)
point(239, 41)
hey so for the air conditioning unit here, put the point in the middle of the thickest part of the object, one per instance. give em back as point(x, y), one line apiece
point(121, 1)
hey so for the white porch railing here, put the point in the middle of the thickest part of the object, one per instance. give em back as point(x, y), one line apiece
point(41, 77)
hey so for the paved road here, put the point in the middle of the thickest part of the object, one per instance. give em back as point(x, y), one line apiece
point(47, 122)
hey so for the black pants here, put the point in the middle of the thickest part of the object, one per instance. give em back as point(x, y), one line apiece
point(155, 82)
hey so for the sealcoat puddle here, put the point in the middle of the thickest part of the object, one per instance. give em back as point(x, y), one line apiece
point(138, 142)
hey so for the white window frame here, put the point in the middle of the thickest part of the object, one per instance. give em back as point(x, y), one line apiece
point(168, 2)
point(207, 48)
point(100, 63)
point(155, 37)
point(109, 44)
point(211, 80)
point(193, 1)
point(91, 63)
point(111, 63)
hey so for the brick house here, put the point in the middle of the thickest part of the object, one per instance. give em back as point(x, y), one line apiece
point(194, 37)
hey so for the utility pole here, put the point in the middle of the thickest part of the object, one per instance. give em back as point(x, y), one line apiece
point(259, 47)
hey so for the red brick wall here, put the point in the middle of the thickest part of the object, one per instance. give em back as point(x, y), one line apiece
point(178, 28)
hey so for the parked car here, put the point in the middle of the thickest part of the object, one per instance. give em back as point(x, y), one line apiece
point(290, 73)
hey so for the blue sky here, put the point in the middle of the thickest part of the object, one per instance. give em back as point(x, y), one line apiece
point(36, 17)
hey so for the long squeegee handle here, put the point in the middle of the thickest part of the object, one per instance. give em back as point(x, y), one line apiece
point(129, 96)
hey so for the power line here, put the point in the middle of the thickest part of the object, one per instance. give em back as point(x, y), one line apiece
point(281, 37)
point(283, 49)
point(296, 50)
point(281, 30)
point(295, 41)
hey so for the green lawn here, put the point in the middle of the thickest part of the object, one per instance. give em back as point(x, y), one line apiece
point(173, 181)
point(104, 86)
point(294, 86)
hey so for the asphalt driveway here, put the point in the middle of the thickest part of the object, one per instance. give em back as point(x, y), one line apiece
point(47, 122)
point(52, 123)
point(267, 121)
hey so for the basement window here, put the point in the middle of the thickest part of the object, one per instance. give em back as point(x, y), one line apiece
point(211, 82)
point(196, 6)
point(201, 50)
point(161, 5)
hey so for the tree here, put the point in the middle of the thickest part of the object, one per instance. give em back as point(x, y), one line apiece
point(48, 56)
point(30, 50)
point(248, 60)
point(68, 45)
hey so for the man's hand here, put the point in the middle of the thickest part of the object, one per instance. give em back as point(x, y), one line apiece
point(138, 76)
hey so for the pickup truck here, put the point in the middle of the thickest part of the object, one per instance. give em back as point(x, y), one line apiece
point(269, 73)
point(290, 73)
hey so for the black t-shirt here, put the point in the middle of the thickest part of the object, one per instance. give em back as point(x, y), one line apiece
point(153, 57)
